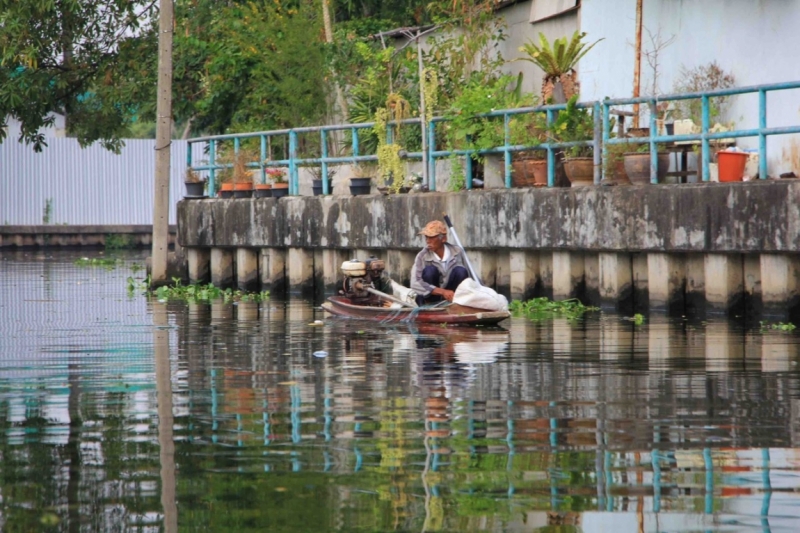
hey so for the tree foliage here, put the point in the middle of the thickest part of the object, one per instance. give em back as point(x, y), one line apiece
point(71, 57)
point(237, 65)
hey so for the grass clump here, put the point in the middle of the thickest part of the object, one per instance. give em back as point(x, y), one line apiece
point(544, 308)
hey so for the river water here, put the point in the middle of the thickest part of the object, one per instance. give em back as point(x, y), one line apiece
point(122, 413)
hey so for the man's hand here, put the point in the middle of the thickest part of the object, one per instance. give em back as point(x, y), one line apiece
point(444, 293)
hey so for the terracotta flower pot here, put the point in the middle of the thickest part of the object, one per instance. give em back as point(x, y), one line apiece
point(637, 167)
point(262, 190)
point(580, 171)
point(226, 190)
point(529, 172)
point(243, 189)
point(279, 190)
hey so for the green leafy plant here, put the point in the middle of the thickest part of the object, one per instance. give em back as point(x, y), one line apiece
point(559, 58)
point(779, 326)
point(119, 241)
point(195, 293)
point(544, 308)
point(573, 124)
point(47, 214)
point(637, 319)
point(557, 61)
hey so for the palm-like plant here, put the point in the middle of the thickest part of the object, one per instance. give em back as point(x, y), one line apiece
point(557, 61)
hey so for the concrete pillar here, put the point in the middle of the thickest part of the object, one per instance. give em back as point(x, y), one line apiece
point(640, 290)
point(523, 275)
point(331, 264)
point(503, 275)
point(247, 278)
point(567, 274)
point(485, 265)
point(695, 296)
point(753, 303)
point(300, 268)
point(666, 276)
point(615, 283)
point(724, 282)
point(273, 269)
point(723, 350)
point(591, 266)
point(222, 268)
point(545, 287)
point(398, 265)
point(779, 275)
point(199, 259)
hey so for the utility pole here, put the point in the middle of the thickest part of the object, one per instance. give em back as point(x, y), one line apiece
point(637, 65)
point(160, 249)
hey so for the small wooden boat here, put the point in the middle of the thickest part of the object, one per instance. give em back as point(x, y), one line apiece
point(451, 314)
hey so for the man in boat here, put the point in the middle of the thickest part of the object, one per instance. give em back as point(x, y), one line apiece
point(439, 268)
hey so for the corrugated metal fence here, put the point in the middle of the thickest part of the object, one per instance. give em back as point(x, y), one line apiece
point(84, 185)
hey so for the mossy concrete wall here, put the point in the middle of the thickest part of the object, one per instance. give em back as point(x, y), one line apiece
point(681, 247)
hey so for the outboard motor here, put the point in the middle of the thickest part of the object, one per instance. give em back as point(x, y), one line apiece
point(360, 276)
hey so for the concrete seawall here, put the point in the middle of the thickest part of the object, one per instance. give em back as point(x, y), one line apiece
point(57, 235)
point(685, 248)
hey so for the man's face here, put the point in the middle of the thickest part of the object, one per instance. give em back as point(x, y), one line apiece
point(435, 243)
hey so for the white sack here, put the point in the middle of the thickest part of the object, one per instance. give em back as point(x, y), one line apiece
point(470, 293)
point(404, 293)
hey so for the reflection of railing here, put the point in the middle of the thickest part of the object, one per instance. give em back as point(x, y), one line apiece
point(602, 136)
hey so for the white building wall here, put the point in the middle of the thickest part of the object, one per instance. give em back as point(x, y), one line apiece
point(520, 29)
point(752, 39)
point(85, 185)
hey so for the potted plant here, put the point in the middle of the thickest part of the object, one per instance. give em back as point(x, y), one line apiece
point(316, 181)
point(280, 187)
point(614, 164)
point(261, 190)
point(558, 62)
point(575, 124)
point(360, 181)
point(195, 185)
point(637, 165)
point(242, 176)
point(529, 168)
point(390, 165)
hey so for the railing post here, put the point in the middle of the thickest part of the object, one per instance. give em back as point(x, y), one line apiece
point(355, 142)
point(263, 158)
point(468, 165)
point(431, 158)
point(598, 144)
point(606, 135)
point(506, 152)
point(293, 185)
point(653, 148)
point(704, 132)
point(323, 141)
point(551, 159)
point(762, 137)
point(212, 173)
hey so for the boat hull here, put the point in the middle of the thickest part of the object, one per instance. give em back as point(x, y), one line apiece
point(453, 314)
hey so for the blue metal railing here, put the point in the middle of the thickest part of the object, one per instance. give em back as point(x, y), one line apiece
point(601, 112)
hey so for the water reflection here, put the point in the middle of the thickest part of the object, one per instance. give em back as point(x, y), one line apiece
point(114, 409)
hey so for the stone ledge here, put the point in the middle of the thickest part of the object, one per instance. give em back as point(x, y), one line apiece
point(706, 217)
